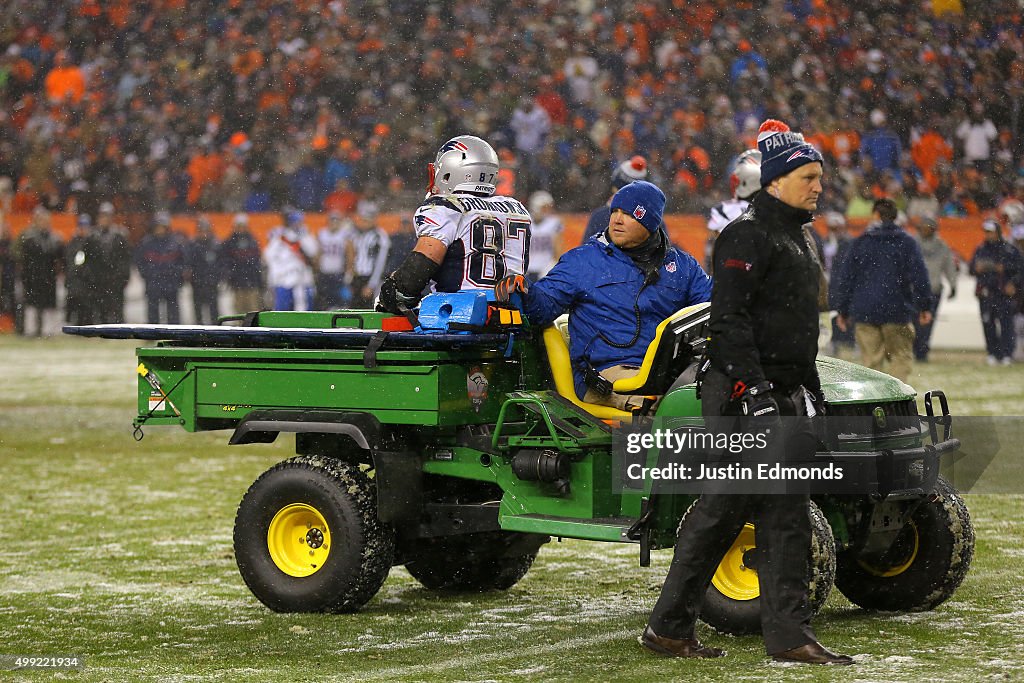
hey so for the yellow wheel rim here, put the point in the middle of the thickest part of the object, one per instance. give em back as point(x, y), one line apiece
point(904, 562)
point(733, 579)
point(299, 540)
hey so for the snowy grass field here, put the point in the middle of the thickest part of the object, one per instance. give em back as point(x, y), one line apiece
point(120, 553)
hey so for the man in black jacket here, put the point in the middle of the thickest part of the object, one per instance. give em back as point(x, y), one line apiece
point(763, 342)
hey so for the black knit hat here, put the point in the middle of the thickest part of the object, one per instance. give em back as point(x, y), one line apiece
point(782, 150)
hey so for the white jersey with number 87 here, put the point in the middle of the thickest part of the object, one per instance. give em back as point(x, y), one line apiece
point(487, 238)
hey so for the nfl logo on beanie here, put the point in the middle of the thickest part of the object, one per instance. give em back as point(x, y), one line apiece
point(782, 150)
point(643, 201)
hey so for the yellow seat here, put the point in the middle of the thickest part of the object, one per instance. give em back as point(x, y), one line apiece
point(556, 343)
point(561, 369)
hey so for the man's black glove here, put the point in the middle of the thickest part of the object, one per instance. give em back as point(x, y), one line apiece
point(508, 285)
point(757, 404)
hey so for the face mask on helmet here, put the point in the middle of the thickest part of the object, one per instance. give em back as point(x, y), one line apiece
point(463, 164)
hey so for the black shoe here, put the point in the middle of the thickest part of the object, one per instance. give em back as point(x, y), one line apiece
point(670, 647)
point(812, 653)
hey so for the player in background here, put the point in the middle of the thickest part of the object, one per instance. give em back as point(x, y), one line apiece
point(545, 236)
point(466, 236)
point(335, 245)
point(290, 255)
point(744, 181)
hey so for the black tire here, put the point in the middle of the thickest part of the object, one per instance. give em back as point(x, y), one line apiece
point(473, 563)
point(353, 565)
point(928, 561)
point(738, 611)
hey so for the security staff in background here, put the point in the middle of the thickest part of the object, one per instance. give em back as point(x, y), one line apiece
point(111, 266)
point(202, 256)
point(763, 342)
point(80, 274)
point(160, 260)
point(241, 264)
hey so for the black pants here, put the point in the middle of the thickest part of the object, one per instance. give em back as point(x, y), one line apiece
point(79, 308)
point(330, 293)
point(205, 306)
point(359, 282)
point(110, 304)
point(997, 322)
point(923, 333)
point(166, 300)
point(782, 530)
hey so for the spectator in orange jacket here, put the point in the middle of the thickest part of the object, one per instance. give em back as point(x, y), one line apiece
point(65, 82)
point(928, 149)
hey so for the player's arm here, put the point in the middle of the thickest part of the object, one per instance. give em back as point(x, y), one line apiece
point(400, 290)
point(431, 247)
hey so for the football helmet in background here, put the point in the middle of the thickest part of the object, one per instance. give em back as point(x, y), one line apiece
point(539, 200)
point(1013, 209)
point(745, 178)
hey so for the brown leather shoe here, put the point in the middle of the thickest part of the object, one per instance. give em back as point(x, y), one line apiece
point(812, 653)
point(670, 647)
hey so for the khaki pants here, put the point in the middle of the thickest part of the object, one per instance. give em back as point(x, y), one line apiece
point(891, 341)
point(248, 300)
point(621, 401)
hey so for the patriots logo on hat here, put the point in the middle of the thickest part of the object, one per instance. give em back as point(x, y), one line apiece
point(800, 153)
point(639, 212)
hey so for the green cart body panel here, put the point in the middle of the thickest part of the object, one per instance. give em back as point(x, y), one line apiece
point(428, 388)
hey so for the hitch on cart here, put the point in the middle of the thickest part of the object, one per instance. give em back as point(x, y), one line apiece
point(640, 531)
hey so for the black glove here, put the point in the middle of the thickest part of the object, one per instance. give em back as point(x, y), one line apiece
point(758, 405)
point(508, 285)
point(390, 300)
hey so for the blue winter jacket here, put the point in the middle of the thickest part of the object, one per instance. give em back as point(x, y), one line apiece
point(883, 147)
point(598, 285)
point(882, 279)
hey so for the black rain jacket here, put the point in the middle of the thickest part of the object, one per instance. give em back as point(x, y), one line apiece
point(764, 303)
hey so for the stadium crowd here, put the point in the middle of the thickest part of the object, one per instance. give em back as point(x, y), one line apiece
point(254, 106)
point(140, 109)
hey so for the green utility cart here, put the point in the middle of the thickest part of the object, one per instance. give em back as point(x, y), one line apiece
point(459, 453)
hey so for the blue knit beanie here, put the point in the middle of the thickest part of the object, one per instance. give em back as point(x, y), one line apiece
point(782, 150)
point(643, 201)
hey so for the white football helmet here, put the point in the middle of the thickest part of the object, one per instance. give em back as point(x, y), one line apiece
point(464, 164)
point(539, 200)
point(745, 179)
point(1013, 209)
